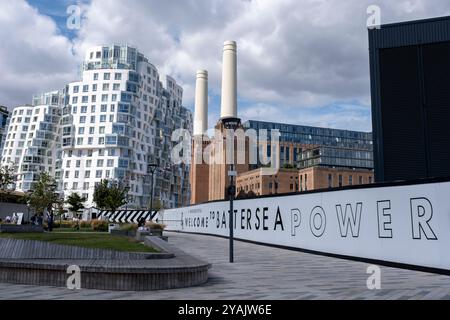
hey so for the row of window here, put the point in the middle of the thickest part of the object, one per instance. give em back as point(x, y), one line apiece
point(88, 163)
point(93, 119)
point(104, 98)
point(106, 76)
point(350, 180)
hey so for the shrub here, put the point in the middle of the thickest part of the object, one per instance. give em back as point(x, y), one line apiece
point(99, 225)
point(129, 227)
point(85, 224)
point(155, 225)
point(62, 224)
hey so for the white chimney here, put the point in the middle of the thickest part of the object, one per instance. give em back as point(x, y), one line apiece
point(201, 103)
point(229, 81)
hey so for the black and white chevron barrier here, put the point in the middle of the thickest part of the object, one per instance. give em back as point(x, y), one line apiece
point(126, 216)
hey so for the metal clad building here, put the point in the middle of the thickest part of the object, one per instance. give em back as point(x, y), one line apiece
point(410, 81)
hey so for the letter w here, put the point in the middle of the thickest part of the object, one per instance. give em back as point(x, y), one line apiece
point(352, 219)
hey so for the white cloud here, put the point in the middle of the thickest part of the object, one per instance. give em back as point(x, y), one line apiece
point(295, 56)
point(33, 56)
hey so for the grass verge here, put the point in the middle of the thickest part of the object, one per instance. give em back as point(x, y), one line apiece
point(86, 240)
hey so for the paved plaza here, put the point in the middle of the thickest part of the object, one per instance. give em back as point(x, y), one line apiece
point(262, 272)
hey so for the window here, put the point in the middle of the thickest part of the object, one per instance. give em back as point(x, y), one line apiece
point(114, 97)
point(77, 174)
point(340, 180)
point(94, 87)
point(68, 164)
point(87, 174)
point(360, 180)
point(91, 130)
point(74, 109)
point(82, 119)
point(103, 118)
point(330, 181)
point(92, 109)
point(78, 163)
point(84, 99)
point(85, 88)
point(75, 186)
point(106, 76)
point(101, 140)
point(102, 129)
point(76, 89)
point(74, 100)
point(96, 77)
point(88, 163)
point(116, 86)
point(110, 163)
point(106, 87)
point(98, 173)
point(83, 109)
point(103, 108)
point(104, 97)
point(79, 141)
point(92, 119)
point(99, 163)
point(81, 130)
point(86, 186)
point(350, 180)
point(90, 140)
point(98, 55)
point(370, 179)
point(118, 76)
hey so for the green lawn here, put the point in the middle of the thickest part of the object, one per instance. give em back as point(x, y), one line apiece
point(75, 230)
point(87, 240)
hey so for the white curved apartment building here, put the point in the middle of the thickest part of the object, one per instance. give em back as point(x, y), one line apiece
point(33, 139)
point(114, 122)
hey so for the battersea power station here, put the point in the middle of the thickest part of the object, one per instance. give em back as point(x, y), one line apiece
point(267, 157)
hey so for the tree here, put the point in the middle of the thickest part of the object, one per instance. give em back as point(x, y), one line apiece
point(110, 195)
point(75, 202)
point(157, 205)
point(6, 179)
point(43, 194)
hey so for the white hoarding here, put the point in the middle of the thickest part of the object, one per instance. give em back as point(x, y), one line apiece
point(407, 224)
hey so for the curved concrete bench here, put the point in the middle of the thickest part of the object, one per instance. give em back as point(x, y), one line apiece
point(113, 271)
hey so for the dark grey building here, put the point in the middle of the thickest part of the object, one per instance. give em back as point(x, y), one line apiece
point(410, 85)
point(4, 118)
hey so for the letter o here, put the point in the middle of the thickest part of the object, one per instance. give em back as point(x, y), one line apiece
point(317, 229)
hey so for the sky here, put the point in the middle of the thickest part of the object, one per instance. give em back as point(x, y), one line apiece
point(299, 61)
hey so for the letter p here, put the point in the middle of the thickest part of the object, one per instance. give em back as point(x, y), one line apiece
point(296, 219)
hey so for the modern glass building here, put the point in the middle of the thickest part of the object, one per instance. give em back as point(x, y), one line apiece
point(309, 146)
point(336, 157)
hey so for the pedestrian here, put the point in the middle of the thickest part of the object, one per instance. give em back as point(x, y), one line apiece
point(50, 222)
point(141, 222)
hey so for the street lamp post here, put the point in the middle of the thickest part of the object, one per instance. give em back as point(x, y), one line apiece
point(231, 123)
point(151, 168)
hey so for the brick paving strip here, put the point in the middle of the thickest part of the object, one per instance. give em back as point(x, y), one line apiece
point(262, 272)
